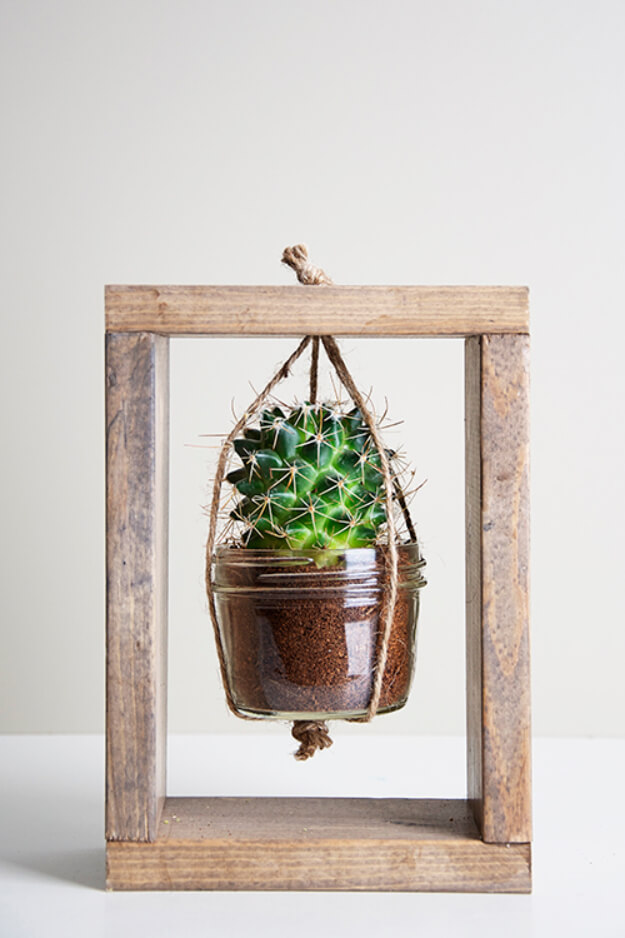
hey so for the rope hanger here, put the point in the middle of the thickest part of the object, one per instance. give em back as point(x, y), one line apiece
point(313, 735)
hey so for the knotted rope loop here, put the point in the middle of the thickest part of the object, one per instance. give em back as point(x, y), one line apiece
point(297, 258)
point(311, 735)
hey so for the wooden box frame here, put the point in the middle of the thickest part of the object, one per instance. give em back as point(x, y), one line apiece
point(481, 843)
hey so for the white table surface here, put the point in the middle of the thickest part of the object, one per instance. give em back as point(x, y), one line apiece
point(52, 846)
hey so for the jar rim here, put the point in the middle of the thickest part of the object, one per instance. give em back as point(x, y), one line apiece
point(230, 550)
point(336, 566)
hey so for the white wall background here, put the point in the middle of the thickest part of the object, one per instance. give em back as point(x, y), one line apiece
point(406, 142)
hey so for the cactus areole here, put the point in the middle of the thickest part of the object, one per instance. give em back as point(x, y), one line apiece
point(310, 478)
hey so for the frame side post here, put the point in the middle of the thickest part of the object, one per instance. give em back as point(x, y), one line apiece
point(137, 442)
point(473, 575)
point(498, 555)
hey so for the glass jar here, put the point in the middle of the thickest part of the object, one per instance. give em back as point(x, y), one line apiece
point(300, 629)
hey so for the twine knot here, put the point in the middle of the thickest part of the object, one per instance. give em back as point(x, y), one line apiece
point(310, 736)
point(297, 258)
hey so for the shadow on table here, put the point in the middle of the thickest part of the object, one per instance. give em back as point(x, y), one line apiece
point(54, 831)
point(83, 867)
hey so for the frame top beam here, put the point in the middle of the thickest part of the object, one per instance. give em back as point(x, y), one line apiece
point(313, 310)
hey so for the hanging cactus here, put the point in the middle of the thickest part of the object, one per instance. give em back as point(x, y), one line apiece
point(311, 477)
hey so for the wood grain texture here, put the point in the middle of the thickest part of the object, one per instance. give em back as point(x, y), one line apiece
point(473, 566)
point(498, 653)
point(313, 310)
point(481, 844)
point(137, 404)
point(318, 844)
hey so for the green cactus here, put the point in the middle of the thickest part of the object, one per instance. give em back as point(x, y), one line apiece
point(311, 478)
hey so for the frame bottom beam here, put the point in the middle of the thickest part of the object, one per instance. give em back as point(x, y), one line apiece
point(385, 844)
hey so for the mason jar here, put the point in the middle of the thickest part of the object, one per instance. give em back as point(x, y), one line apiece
point(301, 630)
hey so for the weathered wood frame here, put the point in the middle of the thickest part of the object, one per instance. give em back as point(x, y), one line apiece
point(478, 844)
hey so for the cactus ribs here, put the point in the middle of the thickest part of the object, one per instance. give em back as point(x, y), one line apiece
point(311, 477)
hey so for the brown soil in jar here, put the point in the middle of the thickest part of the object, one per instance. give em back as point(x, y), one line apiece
point(316, 654)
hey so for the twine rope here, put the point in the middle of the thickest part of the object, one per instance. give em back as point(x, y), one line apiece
point(282, 373)
point(297, 258)
point(412, 534)
point(333, 353)
point(314, 369)
point(313, 735)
